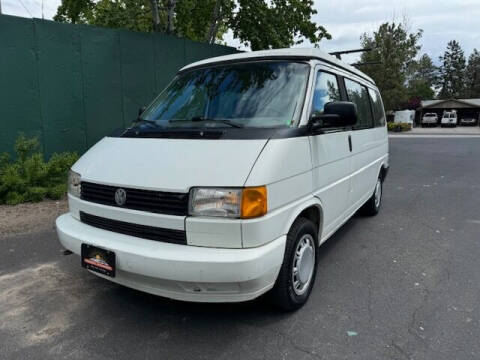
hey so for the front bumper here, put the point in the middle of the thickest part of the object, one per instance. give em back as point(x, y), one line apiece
point(181, 272)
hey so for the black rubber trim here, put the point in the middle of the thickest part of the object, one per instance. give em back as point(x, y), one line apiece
point(224, 134)
point(141, 231)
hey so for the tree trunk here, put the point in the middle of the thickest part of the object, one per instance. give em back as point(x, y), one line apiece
point(170, 16)
point(213, 29)
point(155, 15)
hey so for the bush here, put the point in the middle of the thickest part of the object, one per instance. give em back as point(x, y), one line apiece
point(29, 178)
point(399, 127)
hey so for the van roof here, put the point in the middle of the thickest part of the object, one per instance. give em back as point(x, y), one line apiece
point(292, 53)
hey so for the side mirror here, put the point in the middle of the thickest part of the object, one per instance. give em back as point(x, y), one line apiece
point(141, 110)
point(335, 114)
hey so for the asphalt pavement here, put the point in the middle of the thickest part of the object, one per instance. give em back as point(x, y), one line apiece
point(402, 285)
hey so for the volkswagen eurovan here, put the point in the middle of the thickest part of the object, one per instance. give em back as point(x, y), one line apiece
point(226, 185)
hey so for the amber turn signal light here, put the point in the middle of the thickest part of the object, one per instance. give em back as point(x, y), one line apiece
point(254, 202)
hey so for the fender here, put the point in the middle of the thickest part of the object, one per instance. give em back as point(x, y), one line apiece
point(313, 201)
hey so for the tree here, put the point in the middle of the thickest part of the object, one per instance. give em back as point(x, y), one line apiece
point(276, 23)
point(155, 15)
point(209, 22)
point(473, 79)
point(125, 14)
point(74, 11)
point(425, 70)
point(260, 24)
point(395, 49)
point(422, 77)
point(452, 72)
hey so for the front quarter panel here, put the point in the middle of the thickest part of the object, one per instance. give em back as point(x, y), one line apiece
point(284, 166)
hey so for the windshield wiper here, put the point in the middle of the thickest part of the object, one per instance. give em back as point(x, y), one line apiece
point(211, 120)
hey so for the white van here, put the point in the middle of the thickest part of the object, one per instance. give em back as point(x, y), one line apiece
point(449, 118)
point(228, 182)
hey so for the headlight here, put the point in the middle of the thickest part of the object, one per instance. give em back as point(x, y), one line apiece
point(229, 202)
point(74, 187)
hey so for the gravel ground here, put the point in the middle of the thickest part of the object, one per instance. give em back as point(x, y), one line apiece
point(26, 218)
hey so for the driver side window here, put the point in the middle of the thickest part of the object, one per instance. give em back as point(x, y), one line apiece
point(326, 90)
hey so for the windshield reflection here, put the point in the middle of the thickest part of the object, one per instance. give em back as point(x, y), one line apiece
point(258, 94)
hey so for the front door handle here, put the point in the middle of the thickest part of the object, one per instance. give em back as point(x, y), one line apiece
point(350, 142)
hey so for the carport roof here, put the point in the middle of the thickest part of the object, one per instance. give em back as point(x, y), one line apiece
point(450, 103)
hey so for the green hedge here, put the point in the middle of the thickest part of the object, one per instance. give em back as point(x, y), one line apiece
point(399, 127)
point(29, 178)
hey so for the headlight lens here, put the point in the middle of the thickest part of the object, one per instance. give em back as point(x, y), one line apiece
point(229, 202)
point(74, 187)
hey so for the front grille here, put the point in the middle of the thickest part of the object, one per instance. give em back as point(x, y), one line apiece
point(169, 203)
point(141, 231)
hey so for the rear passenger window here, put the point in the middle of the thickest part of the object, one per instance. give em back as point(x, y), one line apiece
point(378, 112)
point(326, 90)
point(358, 94)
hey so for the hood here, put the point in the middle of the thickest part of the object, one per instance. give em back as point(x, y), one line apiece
point(169, 164)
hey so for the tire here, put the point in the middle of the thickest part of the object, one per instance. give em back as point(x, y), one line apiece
point(291, 291)
point(372, 206)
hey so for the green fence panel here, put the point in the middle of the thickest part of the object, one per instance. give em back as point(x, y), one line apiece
point(61, 91)
point(101, 82)
point(169, 58)
point(138, 72)
point(195, 51)
point(220, 50)
point(19, 94)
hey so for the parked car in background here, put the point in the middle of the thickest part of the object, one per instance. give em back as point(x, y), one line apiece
point(430, 119)
point(227, 184)
point(449, 118)
point(468, 121)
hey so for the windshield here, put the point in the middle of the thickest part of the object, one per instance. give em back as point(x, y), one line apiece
point(257, 94)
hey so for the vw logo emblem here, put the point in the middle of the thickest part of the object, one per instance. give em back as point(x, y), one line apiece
point(120, 197)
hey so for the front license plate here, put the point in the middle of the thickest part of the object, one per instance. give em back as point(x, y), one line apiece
point(98, 260)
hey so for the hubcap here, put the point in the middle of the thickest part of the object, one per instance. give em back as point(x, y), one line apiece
point(378, 193)
point(303, 264)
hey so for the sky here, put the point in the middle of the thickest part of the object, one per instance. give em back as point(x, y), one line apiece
point(346, 20)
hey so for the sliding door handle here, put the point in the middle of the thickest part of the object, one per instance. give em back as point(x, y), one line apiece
point(350, 142)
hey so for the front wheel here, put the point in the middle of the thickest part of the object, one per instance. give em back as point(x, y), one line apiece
point(372, 206)
point(297, 274)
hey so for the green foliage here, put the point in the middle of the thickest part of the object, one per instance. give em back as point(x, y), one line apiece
point(395, 49)
point(399, 127)
point(29, 178)
point(260, 24)
point(473, 79)
point(452, 72)
point(74, 11)
point(422, 77)
point(209, 22)
point(126, 14)
point(276, 24)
